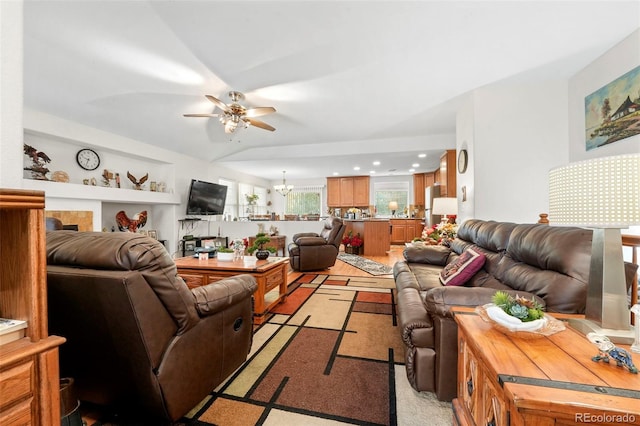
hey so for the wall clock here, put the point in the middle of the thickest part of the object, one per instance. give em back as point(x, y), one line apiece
point(88, 159)
point(462, 161)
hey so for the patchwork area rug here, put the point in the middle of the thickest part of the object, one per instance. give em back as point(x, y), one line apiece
point(370, 266)
point(331, 354)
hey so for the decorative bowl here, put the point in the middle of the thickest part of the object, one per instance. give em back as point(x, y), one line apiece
point(224, 257)
point(513, 326)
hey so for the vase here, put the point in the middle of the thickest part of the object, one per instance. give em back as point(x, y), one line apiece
point(262, 254)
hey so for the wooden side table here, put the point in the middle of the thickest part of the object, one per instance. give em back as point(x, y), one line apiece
point(277, 241)
point(509, 380)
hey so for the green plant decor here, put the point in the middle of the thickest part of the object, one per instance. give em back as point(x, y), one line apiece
point(225, 250)
point(259, 242)
point(523, 309)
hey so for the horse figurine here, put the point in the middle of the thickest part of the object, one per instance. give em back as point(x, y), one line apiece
point(606, 350)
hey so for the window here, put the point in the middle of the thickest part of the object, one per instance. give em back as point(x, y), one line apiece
point(231, 202)
point(385, 192)
point(305, 200)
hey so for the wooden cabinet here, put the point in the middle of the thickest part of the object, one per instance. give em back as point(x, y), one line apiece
point(447, 175)
point(429, 179)
point(398, 231)
point(507, 379)
point(374, 233)
point(350, 191)
point(361, 191)
point(405, 230)
point(418, 189)
point(29, 374)
point(333, 192)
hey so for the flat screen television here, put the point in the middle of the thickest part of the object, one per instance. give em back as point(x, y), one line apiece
point(206, 198)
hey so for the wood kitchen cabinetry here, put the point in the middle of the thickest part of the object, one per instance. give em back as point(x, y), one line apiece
point(29, 372)
point(405, 230)
point(418, 189)
point(352, 191)
point(447, 174)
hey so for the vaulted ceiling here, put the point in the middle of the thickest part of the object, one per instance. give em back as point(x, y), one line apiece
point(352, 81)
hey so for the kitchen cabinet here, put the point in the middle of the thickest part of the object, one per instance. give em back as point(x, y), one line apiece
point(429, 179)
point(447, 175)
point(333, 192)
point(374, 233)
point(418, 189)
point(352, 191)
point(405, 230)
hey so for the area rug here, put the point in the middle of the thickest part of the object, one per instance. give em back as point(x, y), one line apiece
point(331, 354)
point(370, 266)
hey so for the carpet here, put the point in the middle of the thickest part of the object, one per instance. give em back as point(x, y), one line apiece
point(331, 354)
point(370, 266)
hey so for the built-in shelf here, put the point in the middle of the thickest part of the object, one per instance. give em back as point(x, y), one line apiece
point(100, 193)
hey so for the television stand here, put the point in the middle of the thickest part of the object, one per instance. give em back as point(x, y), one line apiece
point(188, 247)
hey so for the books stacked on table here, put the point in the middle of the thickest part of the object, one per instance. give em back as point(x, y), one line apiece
point(11, 330)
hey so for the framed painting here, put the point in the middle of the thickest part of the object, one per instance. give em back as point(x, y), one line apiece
point(612, 113)
point(153, 234)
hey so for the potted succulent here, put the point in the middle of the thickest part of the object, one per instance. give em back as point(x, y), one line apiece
point(224, 254)
point(258, 246)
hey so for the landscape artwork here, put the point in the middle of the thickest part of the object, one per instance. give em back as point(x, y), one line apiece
point(612, 113)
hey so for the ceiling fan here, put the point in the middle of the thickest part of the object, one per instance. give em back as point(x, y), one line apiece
point(235, 114)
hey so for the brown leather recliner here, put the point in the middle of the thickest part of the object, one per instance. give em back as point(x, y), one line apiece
point(311, 252)
point(137, 337)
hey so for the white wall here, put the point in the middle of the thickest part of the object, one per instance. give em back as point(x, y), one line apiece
point(514, 133)
point(614, 63)
point(11, 93)
point(465, 140)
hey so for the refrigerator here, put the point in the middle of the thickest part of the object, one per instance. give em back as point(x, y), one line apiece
point(431, 192)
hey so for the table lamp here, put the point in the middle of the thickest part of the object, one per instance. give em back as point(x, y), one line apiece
point(393, 206)
point(603, 194)
point(445, 206)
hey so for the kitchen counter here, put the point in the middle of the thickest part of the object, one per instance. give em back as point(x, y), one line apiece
point(375, 232)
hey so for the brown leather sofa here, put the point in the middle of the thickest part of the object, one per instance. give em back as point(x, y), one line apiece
point(137, 338)
point(309, 251)
point(551, 263)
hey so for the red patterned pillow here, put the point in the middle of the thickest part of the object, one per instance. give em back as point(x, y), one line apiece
point(463, 268)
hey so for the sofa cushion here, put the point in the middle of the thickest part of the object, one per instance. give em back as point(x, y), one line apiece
point(462, 269)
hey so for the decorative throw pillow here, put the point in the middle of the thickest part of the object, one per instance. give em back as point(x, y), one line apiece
point(463, 268)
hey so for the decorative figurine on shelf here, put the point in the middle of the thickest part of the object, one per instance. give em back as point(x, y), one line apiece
point(137, 183)
point(606, 350)
point(259, 248)
point(131, 225)
point(39, 160)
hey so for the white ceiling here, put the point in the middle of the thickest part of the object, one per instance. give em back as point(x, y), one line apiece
point(352, 81)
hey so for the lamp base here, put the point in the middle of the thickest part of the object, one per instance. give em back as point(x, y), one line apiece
point(585, 326)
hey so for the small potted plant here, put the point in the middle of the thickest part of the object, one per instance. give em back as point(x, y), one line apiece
point(224, 254)
point(258, 246)
point(352, 243)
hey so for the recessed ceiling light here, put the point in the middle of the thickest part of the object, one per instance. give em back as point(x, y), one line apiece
point(372, 171)
point(415, 165)
point(336, 173)
point(412, 170)
point(356, 168)
point(376, 163)
point(422, 155)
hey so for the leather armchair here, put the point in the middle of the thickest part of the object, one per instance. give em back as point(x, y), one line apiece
point(137, 337)
point(311, 252)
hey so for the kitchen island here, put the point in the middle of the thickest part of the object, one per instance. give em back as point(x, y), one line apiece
point(376, 234)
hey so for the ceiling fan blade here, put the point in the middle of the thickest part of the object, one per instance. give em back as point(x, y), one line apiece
point(201, 115)
point(258, 111)
point(260, 124)
point(218, 102)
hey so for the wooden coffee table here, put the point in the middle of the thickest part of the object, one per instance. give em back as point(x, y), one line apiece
point(270, 275)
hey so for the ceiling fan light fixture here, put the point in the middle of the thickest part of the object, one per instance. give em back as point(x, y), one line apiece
point(283, 189)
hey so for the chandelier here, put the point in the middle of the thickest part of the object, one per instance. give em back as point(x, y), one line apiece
point(283, 189)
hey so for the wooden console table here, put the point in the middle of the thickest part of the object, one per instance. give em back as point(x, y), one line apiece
point(270, 275)
point(278, 242)
point(508, 380)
